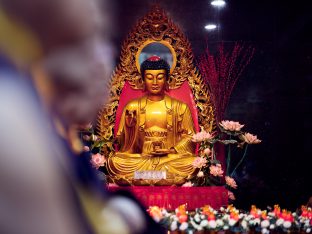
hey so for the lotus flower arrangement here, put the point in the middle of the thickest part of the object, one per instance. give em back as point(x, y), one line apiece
point(95, 145)
point(207, 219)
point(210, 169)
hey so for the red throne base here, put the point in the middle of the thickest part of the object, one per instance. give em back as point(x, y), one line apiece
point(171, 197)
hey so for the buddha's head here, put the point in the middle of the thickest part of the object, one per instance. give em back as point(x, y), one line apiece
point(155, 72)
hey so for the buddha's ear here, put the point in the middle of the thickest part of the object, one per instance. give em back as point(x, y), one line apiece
point(167, 86)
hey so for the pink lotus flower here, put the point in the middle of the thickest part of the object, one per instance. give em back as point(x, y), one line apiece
point(86, 148)
point(216, 170)
point(200, 174)
point(230, 182)
point(199, 162)
point(86, 137)
point(97, 160)
point(250, 139)
point(202, 136)
point(231, 195)
point(207, 151)
point(187, 184)
point(231, 125)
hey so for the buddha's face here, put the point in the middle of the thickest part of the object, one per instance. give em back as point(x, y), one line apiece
point(155, 81)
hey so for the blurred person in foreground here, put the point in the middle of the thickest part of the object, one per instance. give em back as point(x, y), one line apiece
point(46, 183)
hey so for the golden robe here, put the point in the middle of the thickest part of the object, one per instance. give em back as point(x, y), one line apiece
point(146, 126)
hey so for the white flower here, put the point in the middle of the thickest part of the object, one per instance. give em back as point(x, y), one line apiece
point(232, 222)
point(257, 221)
point(272, 226)
point(197, 218)
point(287, 224)
point(225, 227)
point(203, 217)
point(265, 231)
point(219, 222)
point(165, 213)
point(244, 224)
point(272, 214)
point(196, 226)
point(222, 209)
point(183, 226)
point(308, 230)
point(279, 222)
point(200, 174)
point(212, 224)
point(174, 226)
point(199, 228)
point(265, 223)
point(204, 223)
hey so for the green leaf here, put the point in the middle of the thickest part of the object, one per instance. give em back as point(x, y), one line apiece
point(226, 142)
point(96, 144)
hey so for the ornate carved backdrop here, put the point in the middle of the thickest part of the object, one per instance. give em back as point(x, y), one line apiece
point(155, 26)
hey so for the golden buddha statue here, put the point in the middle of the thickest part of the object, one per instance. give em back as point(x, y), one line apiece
point(154, 132)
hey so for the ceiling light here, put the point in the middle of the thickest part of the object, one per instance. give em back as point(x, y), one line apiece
point(218, 3)
point(210, 26)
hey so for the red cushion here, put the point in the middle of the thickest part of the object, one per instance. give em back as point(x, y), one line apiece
point(170, 197)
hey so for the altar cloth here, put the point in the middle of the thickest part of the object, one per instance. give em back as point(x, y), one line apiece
point(170, 197)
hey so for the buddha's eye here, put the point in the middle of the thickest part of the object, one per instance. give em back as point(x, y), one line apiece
point(160, 76)
point(149, 77)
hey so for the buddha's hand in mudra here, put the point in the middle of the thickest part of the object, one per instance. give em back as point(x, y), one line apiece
point(164, 151)
point(131, 118)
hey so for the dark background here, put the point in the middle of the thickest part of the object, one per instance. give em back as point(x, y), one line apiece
point(273, 95)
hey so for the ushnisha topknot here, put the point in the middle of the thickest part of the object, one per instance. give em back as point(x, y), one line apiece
point(155, 63)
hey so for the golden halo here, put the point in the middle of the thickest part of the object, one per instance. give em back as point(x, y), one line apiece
point(166, 44)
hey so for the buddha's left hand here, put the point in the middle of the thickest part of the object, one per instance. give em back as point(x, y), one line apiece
point(166, 151)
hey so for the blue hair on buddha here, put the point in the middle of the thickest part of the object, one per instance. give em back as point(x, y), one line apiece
point(155, 63)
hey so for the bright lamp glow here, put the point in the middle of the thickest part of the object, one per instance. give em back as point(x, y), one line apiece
point(210, 26)
point(218, 3)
